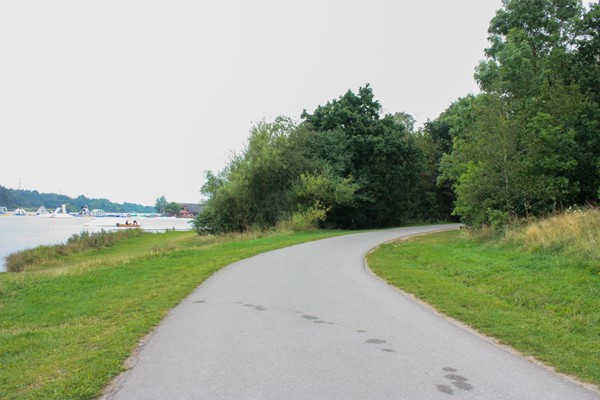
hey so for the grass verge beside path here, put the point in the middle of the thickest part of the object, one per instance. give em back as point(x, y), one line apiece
point(542, 303)
point(67, 327)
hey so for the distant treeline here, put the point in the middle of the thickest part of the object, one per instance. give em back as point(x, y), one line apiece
point(527, 145)
point(32, 199)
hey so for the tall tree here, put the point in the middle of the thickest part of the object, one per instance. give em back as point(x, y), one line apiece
point(161, 204)
point(509, 165)
point(378, 153)
point(255, 187)
point(587, 71)
point(531, 43)
point(434, 198)
point(530, 143)
point(545, 58)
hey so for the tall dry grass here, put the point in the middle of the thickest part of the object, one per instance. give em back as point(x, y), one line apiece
point(575, 231)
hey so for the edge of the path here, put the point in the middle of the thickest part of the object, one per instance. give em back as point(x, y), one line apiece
point(490, 339)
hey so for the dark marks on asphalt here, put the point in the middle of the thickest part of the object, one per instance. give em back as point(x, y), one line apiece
point(255, 307)
point(455, 377)
point(458, 381)
point(380, 341)
point(445, 389)
point(316, 320)
point(375, 341)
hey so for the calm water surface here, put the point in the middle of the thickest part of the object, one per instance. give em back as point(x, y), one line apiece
point(19, 233)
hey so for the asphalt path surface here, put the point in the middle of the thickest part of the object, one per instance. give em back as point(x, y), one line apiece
point(310, 322)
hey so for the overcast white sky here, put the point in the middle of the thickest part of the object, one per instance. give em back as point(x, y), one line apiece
point(131, 100)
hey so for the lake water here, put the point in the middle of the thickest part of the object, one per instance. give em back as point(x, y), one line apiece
point(20, 233)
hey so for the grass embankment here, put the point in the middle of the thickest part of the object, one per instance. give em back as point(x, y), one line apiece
point(46, 256)
point(67, 324)
point(537, 288)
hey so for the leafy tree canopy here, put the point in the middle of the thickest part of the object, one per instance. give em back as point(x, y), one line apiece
point(379, 154)
point(344, 165)
point(530, 142)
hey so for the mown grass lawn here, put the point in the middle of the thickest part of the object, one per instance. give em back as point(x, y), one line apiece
point(67, 327)
point(542, 303)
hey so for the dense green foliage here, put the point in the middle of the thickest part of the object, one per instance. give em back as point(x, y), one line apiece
point(434, 199)
point(345, 165)
point(32, 199)
point(528, 144)
point(376, 151)
point(536, 289)
point(162, 206)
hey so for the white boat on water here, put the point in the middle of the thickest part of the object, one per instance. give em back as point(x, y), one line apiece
point(60, 212)
point(19, 212)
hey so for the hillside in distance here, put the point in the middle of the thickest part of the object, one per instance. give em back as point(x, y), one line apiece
point(32, 199)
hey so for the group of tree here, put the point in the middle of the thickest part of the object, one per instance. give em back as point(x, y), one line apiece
point(527, 144)
point(162, 206)
point(32, 199)
point(345, 165)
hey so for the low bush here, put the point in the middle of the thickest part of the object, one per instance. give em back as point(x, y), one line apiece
point(22, 260)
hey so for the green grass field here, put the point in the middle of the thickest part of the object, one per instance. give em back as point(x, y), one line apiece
point(543, 301)
point(67, 325)
point(70, 319)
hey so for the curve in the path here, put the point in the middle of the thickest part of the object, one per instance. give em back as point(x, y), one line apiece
point(308, 322)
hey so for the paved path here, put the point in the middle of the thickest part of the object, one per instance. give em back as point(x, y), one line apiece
point(308, 322)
